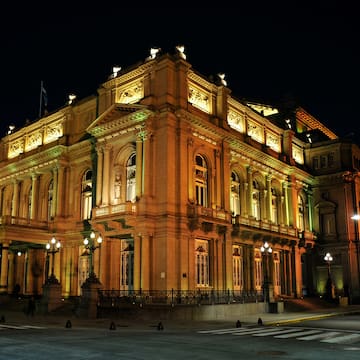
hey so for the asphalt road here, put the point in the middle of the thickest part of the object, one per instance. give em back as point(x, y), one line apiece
point(332, 338)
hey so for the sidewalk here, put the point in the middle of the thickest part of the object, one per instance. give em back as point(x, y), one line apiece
point(60, 320)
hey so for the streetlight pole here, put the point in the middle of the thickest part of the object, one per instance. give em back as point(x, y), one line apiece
point(356, 219)
point(91, 247)
point(52, 248)
point(329, 285)
point(266, 250)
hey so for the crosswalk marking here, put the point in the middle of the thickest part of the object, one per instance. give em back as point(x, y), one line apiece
point(342, 339)
point(303, 334)
point(276, 332)
point(19, 327)
point(296, 335)
point(320, 336)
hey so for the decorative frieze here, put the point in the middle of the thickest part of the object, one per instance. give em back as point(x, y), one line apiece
point(199, 99)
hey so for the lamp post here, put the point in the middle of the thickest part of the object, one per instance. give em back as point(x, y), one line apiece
point(52, 248)
point(329, 285)
point(266, 250)
point(356, 218)
point(91, 247)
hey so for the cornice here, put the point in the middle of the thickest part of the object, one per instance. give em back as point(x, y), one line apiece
point(35, 163)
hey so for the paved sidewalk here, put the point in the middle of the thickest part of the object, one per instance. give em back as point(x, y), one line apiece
point(60, 320)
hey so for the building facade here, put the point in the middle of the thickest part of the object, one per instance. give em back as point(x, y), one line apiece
point(185, 184)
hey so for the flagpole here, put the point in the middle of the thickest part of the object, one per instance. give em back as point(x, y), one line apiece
point(41, 95)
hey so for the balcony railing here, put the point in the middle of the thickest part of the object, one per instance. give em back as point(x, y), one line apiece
point(124, 208)
point(19, 221)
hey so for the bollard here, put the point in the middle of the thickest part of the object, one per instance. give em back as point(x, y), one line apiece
point(68, 324)
point(160, 326)
point(260, 322)
point(2, 319)
point(112, 326)
point(238, 324)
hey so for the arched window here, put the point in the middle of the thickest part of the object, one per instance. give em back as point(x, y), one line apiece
point(131, 178)
point(50, 199)
point(274, 207)
point(256, 200)
point(86, 195)
point(202, 263)
point(201, 180)
point(235, 194)
point(301, 214)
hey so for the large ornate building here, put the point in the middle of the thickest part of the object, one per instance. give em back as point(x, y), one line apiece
point(184, 183)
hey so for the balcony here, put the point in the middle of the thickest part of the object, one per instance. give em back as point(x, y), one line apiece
point(127, 208)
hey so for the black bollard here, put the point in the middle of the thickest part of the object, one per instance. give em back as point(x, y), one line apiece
point(112, 326)
point(238, 324)
point(160, 326)
point(68, 324)
point(260, 322)
point(2, 319)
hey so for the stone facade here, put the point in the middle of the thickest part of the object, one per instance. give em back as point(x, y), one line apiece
point(184, 183)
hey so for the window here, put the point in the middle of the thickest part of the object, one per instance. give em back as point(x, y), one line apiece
point(29, 205)
point(316, 163)
point(202, 263)
point(276, 262)
point(127, 265)
point(258, 270)
point(323, 161)
point(86, 193)
point(274, 207)
point(201, 181)
point(131, 178)
point(256, 200)
point(237, 267)
point(50, 200)
point(301, 214)
point(235, 194)
point(331, 160)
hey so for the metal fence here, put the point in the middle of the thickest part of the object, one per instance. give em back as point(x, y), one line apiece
point(119, 298)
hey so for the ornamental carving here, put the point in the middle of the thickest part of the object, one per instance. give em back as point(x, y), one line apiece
point(273, 141)
point(255, 131)
point(53, 132)
point(297, 154)
point(236, 121)
point(131, 94)
point(199, 99)
point(16, 148)
point(33, 140)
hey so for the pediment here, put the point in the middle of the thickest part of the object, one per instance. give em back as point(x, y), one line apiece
point(118, 116)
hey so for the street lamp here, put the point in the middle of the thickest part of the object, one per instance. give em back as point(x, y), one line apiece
point(52, 248)
point(356, 218)
point(266, 250)
point(329, 285)
point(91, 247)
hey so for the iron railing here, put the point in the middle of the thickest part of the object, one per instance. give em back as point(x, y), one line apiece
point(118, 298)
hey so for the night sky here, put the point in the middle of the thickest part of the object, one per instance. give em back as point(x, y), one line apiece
point(307, 54)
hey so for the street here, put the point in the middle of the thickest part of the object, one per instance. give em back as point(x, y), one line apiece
point(332, 338)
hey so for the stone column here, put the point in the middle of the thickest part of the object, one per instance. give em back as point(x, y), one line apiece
point(4, 268)
point(99, 175)
point(250, 190)
point(106, 176)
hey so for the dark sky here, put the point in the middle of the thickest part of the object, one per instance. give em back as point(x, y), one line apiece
point(308, 54)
